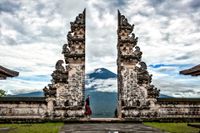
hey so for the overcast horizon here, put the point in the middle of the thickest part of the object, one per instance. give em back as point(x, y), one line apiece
point(33, 33)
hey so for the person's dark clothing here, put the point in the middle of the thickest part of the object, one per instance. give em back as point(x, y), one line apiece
point(87, 101)
point(88, 111)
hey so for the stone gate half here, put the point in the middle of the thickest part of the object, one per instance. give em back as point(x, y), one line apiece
point(136, 95)
point(65, 96)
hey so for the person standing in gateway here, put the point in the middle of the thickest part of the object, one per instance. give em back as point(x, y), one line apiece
point(88, 111)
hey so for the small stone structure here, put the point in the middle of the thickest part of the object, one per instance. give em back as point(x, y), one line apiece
point(64, 97)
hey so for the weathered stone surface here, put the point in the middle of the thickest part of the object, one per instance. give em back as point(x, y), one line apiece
point(23, 110)
point(178, 108)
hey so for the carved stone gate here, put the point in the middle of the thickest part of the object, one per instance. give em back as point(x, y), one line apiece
point(65, 96)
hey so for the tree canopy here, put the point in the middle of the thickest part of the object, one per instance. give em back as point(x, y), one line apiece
point(2, 93)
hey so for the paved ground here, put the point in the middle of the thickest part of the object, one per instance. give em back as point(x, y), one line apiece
point(4, 130)
point(108, 128)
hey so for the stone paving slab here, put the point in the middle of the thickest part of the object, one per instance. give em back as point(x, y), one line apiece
point(5, 130)
point(108, 128)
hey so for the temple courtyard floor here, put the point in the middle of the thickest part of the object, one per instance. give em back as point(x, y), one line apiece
point(115, 125)
point(108, 128)
point(99, 126)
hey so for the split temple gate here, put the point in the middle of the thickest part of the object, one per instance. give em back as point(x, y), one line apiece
point(64, 97)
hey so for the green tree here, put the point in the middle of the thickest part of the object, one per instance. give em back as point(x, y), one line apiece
point(2, 93)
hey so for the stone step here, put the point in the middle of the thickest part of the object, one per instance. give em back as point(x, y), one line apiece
point(103, 120)
point(196, 125)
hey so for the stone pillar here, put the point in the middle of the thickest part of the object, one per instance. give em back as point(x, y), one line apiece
point(50, 107)
point(68, 80)
point(135, 93)
point(74, 53)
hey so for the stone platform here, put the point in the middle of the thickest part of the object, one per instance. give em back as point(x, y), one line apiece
point(108, 128)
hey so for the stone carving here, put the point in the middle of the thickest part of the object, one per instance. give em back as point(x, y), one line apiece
point(49, 92)
point(67, 89)
point(60, 75)
point(134, 82)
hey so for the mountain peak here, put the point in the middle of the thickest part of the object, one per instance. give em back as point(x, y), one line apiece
point(100, 70)
point(101, 73)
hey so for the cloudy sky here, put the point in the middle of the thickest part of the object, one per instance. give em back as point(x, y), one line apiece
point(33, 32)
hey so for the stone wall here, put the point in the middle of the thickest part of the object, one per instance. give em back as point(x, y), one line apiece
point(178, 108)
point(21, 108)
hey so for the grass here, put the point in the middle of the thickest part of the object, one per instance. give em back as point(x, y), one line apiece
point(54, 127)
point(173, 127)
point(33, 128)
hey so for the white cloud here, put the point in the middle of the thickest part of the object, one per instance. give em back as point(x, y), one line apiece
point(102, 85)
point(17, 86)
